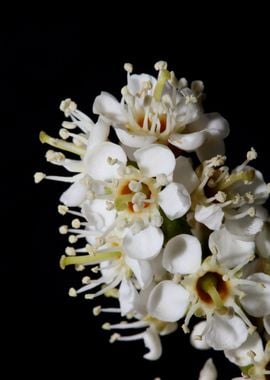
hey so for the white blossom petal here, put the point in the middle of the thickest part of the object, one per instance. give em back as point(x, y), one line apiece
point(197, 338)
point(96, 161)
point(248, 226)
point(142, 270)
point(145, 244)
point(266, 322)
point(155, 159)
point(225, 332)
point(128, 296)
point(230, 250)
point(99, 207)
point(184, 173)
point(257, 295)
point(137, 82)
point(263, 241)
point(152, 341)
point(241, 357)
point(182, 254)
point(208, 371)
point(211, 216)
point(188, 142)
point(168, 301)
point(212, 146)
point(74, 195)
point(107, 105)
point(133, 140)
point(174, 200)
point(99, 133)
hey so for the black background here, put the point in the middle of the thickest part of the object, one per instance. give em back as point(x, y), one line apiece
point(51, 62)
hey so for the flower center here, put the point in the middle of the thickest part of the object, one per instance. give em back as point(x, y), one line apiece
point(146, 123)
point(212, 289)
point(133, 196)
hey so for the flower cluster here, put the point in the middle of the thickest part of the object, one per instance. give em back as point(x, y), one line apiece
point(168, 230)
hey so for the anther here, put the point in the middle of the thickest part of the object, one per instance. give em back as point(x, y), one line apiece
point(96, 310)
point(72, 292)
point(86, 280)
point(72, 239)
point(64, 134)
point(76, 223)
point(114, 337)
point(39, 176)
point(68, 106)
point(128, 67)
point(106, 326)
point(63, 230)
point(161, 65)
point(70, 251)
point(62, 209)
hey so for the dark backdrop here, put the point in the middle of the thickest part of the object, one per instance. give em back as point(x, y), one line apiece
point(52, 62)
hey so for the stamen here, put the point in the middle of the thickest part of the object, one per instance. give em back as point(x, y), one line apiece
point(164, 76)
point(243, 176)
point(61, 144)
point(87, 259)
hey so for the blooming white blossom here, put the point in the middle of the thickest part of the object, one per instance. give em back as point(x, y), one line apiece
point(163, 110)
point(162, 239)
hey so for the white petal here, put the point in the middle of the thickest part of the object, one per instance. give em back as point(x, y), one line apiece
point(152, 341)
point(188, 142)
point(241, 356)
point(209, 371)
point(155, 159)
point(210, 216)
point(74, 166)
point(96, 161)
point(98, 207)
point(212, 146)
point(263, 241)
point(107, 105)
point(133, 140)
point(225, 332)
point(257, 295)
point(266, 322)
point(246, 227)
point(144, 245)
point(184, 173)
point(168, 301)
point(137, 82)
point(230, 250)
point(142, 270)
point(197, 331)
point(213, 123)
point(74, 195)
point(182, 254)
point(217, 125)
point(174, 200)
point(128, 296)
point(99, 133)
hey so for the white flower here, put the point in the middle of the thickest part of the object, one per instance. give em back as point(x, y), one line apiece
point(256, 357)
point(163, 110)
point(137, 193)
point(212, 289)
point(233, 199)
point(250, 350)
point(152, 327)
point(82, 143)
